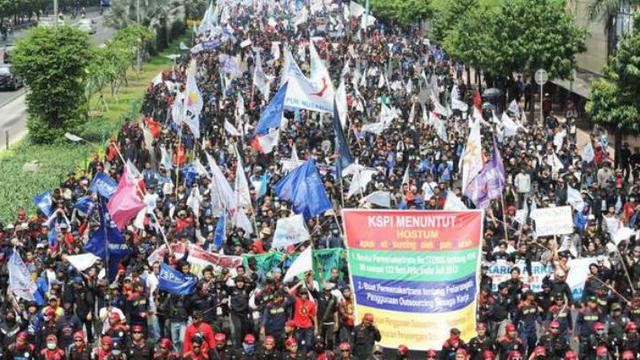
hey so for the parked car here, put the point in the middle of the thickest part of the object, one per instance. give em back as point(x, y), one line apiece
point(8, 79)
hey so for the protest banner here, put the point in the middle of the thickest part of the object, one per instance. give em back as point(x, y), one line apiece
point(198, 258)
point(553, 220)
point(500, 271)
point(415, 269)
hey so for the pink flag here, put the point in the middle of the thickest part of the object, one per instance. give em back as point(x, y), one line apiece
point(124, 204)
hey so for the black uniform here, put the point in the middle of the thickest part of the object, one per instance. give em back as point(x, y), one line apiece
point(364, 337)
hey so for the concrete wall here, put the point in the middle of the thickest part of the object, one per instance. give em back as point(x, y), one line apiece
point(596, 42)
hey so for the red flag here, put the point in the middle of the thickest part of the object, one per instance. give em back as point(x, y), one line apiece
point(124, 204)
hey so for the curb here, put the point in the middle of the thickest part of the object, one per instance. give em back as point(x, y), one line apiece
point(17, 94)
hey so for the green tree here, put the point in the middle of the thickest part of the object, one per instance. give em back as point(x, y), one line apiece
point(405, 12)
point(446, 19)
point(615, 99)
point(53, 63)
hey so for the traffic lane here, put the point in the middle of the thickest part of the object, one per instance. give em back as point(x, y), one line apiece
point(15, 123)
point(7, 96)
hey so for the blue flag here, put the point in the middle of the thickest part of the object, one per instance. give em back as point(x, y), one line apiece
point(218, 239)
point(84, 204)
point(344, 158)
point(304, 189)
point(264, 185)
point(175, 282)
point(109, 234)
point(43, 202)
point(271, 116)
point(52, 237)
point(103, 185)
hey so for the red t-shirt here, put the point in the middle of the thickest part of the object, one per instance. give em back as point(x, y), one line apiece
point(304, 311)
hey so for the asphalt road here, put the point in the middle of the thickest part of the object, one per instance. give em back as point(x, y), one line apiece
point(12, 103)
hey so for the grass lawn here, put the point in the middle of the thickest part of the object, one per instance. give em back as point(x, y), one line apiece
point(18, 188)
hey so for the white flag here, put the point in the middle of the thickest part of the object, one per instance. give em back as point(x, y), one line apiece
point(303, 93)
point(471, 159)
point(320, 75)
point(293, 162)
point(509, 127)
point(240, 109)
point(194, 199)
point(222, 195)
point(405, 177)
point(193, 103)
point(290, 231)
point(453, 203)
point(20, 281)
point(260, 80)
point(241, 220)
point(341, 103)
point(380, 198)
point(302, 264)
point(360, 181)
point(231, 129)
point(574, 198)
point(83, 261)
point(587, 152)
point(412, 113)
point(243, 197)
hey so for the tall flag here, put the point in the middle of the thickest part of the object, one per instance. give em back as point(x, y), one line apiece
point(471, 160)
point(125, 204)
point(243, 197)
point(43, 202)
point(490, 183)
point(193, 102)
point(587, 152)
point(343, 154)
point(107, 238)
point(292, 162)
point(20, 281)
point(267, 131)
point(303, 93)
point(261, 184)
point(219, 234)
point(260, 80)
point(222, 195)
point(175, 282)
point(341, 103)
point(303, 187)
point(320, 75)
point(103, 185)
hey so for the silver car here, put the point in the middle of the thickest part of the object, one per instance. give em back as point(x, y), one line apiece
point(87, 26)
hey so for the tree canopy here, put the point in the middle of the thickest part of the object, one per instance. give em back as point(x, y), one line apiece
point(405, 12)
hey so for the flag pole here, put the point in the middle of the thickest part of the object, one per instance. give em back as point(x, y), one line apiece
point(106, 239)
point(504, 218)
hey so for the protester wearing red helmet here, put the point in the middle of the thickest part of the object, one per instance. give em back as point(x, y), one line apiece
point(365, 335)
point(432, 354)
point(47, 327)
point(597, 338)
point(480, 343)
point(221, 351)
point(21, 348)
point(196, 352)
point(289, 333)
point(105, 348)
point(452, 344)
point(139, 347)
point(292, 352)
point(539, 353)
point(165, 351)
point(79, 349)
point(628, 355)
point(631, 338)
point(198, 326)
point(462, 354)
point(248, 350)
point(268, 350)
point(553, 344)
point(403, 352)
point(570, 355)
point(345, 352)
point(509, 342)
point(487, 355)
point(118, 328)
point(52, 351)
point(515, 355)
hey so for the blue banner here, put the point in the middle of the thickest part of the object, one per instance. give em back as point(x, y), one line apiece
point(175, 282)
point(103, 185)
point(43, 202)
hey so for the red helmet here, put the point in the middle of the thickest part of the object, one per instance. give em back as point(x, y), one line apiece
point(601, 351)
point(344, 346)
point(431, 353)
point(540, 351)
point(554, 323)
point(114, 316)
point(78, 335)
point(514, 354)
point(107, 340)
point(510, 327)
point(631, 326)
point(598, 326)
point(269, 340)
point(403, 350)
point(627, 355)
point(488, 355)
point(570, 355)
point(50, 312)
point(165, 343)
point(368, 317)
point(249, 339)
point(22, 335)
point(290, 342)
point(290, 323)
point(137, 327)
point(220, 337)
point(462, 352)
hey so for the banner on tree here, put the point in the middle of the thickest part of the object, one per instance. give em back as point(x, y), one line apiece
point(414, 269)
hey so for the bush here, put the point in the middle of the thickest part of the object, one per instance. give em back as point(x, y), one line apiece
point(53, 62)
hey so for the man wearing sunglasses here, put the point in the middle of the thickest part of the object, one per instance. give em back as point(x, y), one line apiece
point(553, 344)
point(139, 348)
point(596, 339)
point(480, 343)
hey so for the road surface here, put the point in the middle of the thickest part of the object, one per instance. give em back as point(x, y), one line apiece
point(12, 103)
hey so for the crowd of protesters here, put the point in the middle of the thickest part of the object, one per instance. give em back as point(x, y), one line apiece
point(233, 313)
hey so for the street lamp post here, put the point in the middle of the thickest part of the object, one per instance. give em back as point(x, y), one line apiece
point(55, 13)
point(138, 21)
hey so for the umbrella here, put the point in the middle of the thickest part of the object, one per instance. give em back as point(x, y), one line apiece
point(492, 93)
